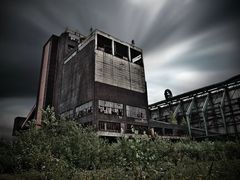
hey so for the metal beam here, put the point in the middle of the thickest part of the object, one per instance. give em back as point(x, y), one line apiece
point(159, 112)
point(176, 110)
point(188, 114)
point(204, 114)
point(221, 106)
point(231, 110)
point(213, 110)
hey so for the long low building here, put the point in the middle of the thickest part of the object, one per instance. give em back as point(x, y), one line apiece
point(209, 111)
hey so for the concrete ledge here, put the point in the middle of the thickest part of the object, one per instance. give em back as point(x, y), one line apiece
point(115, 134)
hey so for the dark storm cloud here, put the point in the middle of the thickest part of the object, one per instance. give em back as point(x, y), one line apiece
point(178, 20)
point(155, 25)
point(20, 44)
point(25, 27)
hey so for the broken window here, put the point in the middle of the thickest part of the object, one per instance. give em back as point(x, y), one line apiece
point(168, 132)
point(136, 57)
point(109, 126)
point(121, 50)
point(104, 44)
point(136, 112)
point(101, 125)
point(114, 127)
point(70, 47)
point(158, 131)
point(155, 114)
point(136, 129)
point(112, 108)
point(84, 109)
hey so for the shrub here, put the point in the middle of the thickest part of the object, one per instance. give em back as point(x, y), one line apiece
point(62, 149)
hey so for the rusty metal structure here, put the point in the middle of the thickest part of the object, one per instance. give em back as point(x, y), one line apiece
point(209, 111)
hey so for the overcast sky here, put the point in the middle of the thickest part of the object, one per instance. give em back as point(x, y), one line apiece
point(187, 44)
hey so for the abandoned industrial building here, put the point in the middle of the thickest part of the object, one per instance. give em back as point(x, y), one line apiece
point(99, 80)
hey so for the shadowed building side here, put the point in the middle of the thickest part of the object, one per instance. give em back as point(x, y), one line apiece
point(97, 80)
point(54, 49)
point(103, 84)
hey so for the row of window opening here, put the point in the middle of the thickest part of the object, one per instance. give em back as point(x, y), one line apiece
point(120, 50)
point(108, 108)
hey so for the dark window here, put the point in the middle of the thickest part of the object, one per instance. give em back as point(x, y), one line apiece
point(121, 51)
point(104, 44)
point(136, 112)
point(112, 108)
point(136, 57)
point(84, 109)
point(180, 132)
point(158, 131)
point(101, 125)
point(168, 132)
point(70, 47)
point(114, 127)
point(109, 126)
point(133, 128)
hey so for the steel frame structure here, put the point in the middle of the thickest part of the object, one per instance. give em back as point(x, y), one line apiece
point(208, 111)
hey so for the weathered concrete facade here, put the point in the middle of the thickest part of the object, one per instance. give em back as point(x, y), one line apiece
point(98, 80)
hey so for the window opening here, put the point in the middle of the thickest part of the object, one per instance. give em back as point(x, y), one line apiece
point(84, 109)
point(121, 50)
point(112, 108)
point(136, 57)
point(136, 129)
point(101, 125)
point(136, 112)
point(109, 126)
point(104, 44)
point(70, 47)
point(168, 132)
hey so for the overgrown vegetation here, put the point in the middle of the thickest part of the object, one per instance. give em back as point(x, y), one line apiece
point(62, 149)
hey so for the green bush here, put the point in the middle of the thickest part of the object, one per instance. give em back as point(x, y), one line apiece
point(62, 149)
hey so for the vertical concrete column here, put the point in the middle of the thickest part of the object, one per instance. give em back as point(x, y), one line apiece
point(43, 84)
point(113, 48)
point(122, 128)
point(95, 37)
point(105, 126)
point(129, 54)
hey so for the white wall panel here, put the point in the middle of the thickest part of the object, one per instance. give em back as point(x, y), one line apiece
point(118, 72)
